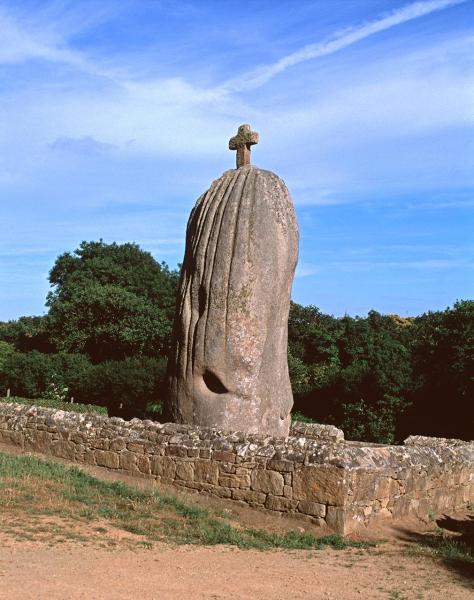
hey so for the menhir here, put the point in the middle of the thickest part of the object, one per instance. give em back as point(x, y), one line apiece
point(228, 366)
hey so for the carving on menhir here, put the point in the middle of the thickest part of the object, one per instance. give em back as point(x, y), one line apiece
point(228, 366)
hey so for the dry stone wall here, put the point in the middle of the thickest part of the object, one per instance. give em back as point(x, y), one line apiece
point(314, 473)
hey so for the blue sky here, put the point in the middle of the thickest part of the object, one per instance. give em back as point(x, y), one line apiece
point(115, 117)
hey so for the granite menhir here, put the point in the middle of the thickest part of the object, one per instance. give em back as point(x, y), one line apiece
point(228, 367)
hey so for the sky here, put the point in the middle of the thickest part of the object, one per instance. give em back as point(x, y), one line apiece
point(115, 117)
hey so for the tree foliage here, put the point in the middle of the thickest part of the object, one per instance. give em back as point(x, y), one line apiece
point(28, 333)
point(360, 372)
point(443, 364)
point(111, 301)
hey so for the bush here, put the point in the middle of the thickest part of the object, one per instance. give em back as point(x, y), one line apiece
point(50, 403)
point(29, 374)
point(133, 387)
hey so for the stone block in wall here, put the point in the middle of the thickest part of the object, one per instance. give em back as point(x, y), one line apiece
point(101, 444)
point(63, 449)
point(316, 431)
point(178, 451)
point(222, 492)
point(14, 438)
point(280, 503)
point(315, 509)
point(118, 445)
point(185, 471)
point(399, 506)
point(89, 457)
point(284, 466)
point(105, 458)
point(345, 520)
point(249, 496)
point(136, 447)
point(223, 456)
point(206, 471)
point(38, 441)
point(269, 482)
point(128, 461)
point(383, 487)
point(364, 486)
point(246, 464)
point(225, 467)
point(164, 467)
point(143, 464)
point(234, 481)
point(320, 484)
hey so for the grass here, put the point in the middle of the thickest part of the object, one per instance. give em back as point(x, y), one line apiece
point(72, 407)
point(449, 548)
point(446, 547)
point(43, 500)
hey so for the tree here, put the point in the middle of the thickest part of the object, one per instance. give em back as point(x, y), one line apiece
point(111, 301)
point(6, 351)
point(364, 375)
point(29, 374)
point(128, 388)
point(28, 333)
point(443, 363)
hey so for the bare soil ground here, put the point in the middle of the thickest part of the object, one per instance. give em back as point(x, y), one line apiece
point(37, 571)
point(90, 567)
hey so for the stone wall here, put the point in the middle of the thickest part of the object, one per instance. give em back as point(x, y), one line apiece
point(315, 473)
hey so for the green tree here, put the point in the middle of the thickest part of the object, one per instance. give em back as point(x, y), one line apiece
point(28, 333)
point(128, 388)
point(361, 378)
point(111, 301)
point(443, 363)
point(29, 374)
point(6, 350)
point(312, 335)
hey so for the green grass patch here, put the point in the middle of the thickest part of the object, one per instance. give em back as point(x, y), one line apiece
point(457, 551)
point(79, 503)
point(49, 403)
point(449, 548)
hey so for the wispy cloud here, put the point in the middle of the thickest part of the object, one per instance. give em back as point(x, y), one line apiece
point(104, 118)
point(341, 39)
point(45, 35)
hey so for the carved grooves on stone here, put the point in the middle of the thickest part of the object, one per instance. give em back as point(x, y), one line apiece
point(234, 292)
point(198, 235)
point(216, 239)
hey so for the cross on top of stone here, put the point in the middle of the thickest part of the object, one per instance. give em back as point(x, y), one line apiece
point(241, 142)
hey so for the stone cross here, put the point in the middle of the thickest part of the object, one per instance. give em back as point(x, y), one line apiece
point(241, 142)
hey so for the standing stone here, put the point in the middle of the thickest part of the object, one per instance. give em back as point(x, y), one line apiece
point(228, 367)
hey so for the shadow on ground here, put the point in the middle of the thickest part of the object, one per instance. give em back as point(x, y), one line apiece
point(452, 542)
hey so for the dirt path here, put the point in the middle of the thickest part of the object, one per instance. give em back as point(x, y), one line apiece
point(34, 571)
